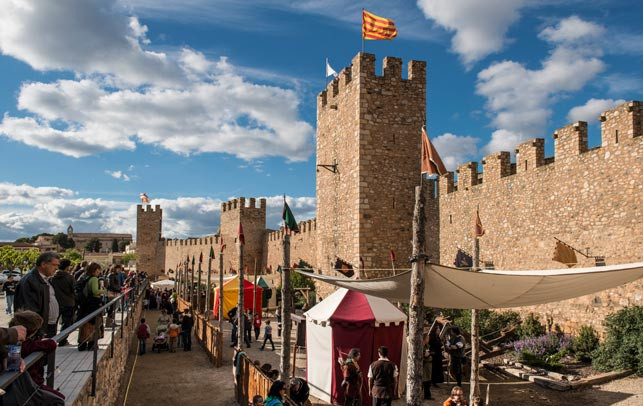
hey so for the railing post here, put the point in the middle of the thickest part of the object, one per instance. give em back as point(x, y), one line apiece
point(95, 349)
point(122, 312)
point(51, 368)
point(111, 345)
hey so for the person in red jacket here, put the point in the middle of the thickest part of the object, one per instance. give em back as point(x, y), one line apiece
point(33, 321)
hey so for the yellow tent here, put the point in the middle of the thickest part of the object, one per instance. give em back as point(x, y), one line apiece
point(231, 297)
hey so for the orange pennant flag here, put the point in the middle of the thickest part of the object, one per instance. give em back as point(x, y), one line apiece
point(431, 162)
point(375, 27)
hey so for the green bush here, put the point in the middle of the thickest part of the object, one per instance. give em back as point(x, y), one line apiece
point(531, 327)
point(623, 345)
point(550, 364)
point(490, 322)
point(584, 343)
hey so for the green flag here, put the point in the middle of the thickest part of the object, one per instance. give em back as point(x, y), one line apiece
point(192, 261)
point(211, 252)
point(289, 219)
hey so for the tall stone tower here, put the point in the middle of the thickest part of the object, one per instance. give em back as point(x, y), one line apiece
point(368, 141)
point(150, 246)
point(253, 219)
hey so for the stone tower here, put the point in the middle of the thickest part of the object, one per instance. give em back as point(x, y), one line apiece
point(253, 219)
point(369, 139)
point(150, 246)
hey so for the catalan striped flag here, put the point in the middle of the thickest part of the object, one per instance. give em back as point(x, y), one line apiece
point(375, 27)
point(144, 198)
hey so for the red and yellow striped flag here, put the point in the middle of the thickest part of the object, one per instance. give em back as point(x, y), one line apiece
point(375, 27)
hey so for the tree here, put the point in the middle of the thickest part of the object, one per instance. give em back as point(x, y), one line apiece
point(125, 259)
point(11, 258)
point(73, 255)
point(122, 245)
point(63, 240)
point(114, 245)
point(93, 245)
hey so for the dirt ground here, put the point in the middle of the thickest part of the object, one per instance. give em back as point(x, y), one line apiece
point(189, 379)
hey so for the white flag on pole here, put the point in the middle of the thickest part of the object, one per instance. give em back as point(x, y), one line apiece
point(330, 71)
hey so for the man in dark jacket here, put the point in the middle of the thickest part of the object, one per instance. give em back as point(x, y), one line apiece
point(35, 293)
point(63, 283)
point(186, 329)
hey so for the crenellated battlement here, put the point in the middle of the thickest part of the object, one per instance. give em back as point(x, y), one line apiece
point(210, 240)
point(305, 227)
point(619, 126)
point(362, 71)
point(240, 203)
point(148, 208)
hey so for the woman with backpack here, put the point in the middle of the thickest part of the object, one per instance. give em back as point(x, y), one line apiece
point(90, 296)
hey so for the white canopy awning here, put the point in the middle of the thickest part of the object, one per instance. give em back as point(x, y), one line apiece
point(453, 288)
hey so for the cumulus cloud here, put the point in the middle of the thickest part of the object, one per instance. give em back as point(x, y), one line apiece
point(592, 109)
point(27, 210)
point(455, 149)
point(184, 102)
point(519, 98)
point(12, 194)
point(479, 26)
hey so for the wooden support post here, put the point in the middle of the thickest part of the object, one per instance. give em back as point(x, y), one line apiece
point(208, 290)
point(474, 380)
point(221, 291)
point(240, 326)
point(414, 387)
point(284, 362)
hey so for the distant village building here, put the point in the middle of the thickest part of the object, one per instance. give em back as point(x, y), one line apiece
point(105, 239)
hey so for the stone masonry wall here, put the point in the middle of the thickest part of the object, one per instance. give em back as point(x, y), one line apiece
point(370, 126)
point(177, 251)
point(253, 219)
point(589, 198)
point(303, 245)
point(150, 251)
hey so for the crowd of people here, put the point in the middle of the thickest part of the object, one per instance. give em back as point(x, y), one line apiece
point(49, 299)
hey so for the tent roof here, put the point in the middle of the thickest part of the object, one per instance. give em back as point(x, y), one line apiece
point(353, 307)
point(233, 284)
point(261, 281)
point(453, 288)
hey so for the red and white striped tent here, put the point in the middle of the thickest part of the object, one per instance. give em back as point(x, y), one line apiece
point(344, 320)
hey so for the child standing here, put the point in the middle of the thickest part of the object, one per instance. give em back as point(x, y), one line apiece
point(173, 331)
point(32, 321)
point(143, 333)
point(267, 335)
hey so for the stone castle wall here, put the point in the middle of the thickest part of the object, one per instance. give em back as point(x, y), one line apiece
point(303, 245)
point(369, 136)
point(589, 198)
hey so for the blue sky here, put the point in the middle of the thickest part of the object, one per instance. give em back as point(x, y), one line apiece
point(197, 101)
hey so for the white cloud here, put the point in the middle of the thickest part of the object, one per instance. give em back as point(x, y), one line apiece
point(592, 109)
point(455, 149)
point(480, 26)
point(118, 175)
point(572, 29)
point(519, 98)
point(185, 103)
point(85, 36)
point(26, 210)
point(12, 194)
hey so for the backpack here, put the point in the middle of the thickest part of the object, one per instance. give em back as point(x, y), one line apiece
point(142, 333)
point(80, 291)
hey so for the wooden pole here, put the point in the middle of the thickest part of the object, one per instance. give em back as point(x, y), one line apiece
point(191, 290)
point(240, 304)
point(198, 289)
point(208, 290)
point(474, 380)
point(414, 387)
point(185, 281)
point(284, 361)
point(221, 291)
point(254, 292)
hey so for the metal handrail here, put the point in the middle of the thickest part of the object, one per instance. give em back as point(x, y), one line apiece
point(7, 378)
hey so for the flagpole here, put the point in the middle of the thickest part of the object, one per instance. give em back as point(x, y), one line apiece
point(240, 322)
point(207, 310)
point(221, 288)
point(198, 287)
point(474, 384)
point(254, 292)
point(362, 30)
